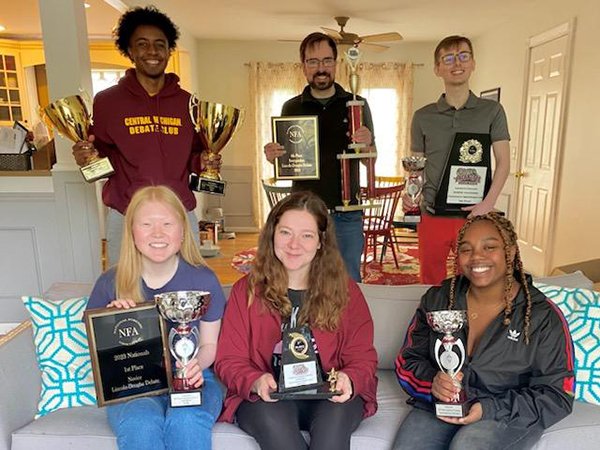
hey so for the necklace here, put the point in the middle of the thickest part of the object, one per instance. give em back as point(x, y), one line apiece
point(474, 315)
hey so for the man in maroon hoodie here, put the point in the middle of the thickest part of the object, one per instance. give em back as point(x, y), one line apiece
point(142, 124)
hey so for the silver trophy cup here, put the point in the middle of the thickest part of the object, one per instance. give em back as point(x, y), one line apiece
point(182, 308)
point(414, 165)
point(450, 355)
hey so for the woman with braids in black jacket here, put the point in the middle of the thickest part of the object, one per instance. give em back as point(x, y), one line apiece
point(518, 374)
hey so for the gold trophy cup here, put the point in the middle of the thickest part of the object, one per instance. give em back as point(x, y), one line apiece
point(216, 123)
point(71, 117)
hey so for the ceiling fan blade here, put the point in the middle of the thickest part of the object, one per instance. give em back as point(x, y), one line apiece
point(382, 37)
point(333, 33)
point(373, 47)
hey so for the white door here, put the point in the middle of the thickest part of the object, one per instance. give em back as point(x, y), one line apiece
point(536, 176)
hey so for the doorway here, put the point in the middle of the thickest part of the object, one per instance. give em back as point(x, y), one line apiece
point(538, 168)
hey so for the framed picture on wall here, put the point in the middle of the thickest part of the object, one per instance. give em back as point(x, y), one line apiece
point(491, 94)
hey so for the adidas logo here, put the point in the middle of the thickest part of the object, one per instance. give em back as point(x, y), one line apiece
point(513, 335)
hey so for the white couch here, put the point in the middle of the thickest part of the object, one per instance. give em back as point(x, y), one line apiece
point(87, 428)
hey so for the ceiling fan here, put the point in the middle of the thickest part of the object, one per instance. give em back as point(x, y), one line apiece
point(345, 38)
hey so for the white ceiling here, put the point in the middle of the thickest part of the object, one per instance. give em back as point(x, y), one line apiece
point(416, 20)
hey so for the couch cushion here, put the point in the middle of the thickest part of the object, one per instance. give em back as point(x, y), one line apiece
point(62, 353)
point(576, 279)
point(84, 428)
point(68, 289)
point(87, 428)
point(578, 431)
point(392, 308)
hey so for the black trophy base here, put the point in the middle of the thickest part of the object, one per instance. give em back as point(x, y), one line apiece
point(178, 399)
point(449, 211)
point(454, 211)
point(452, 409)
point(321, 392)
point(207, 185)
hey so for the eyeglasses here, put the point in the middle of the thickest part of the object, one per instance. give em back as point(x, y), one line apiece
point(451, 58)
point(315, 62)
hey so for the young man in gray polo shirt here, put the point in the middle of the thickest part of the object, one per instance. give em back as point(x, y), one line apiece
point(433, 129)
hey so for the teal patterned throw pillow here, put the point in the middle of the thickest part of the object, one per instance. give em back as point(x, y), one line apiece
point(581, 308)
point(62, 352)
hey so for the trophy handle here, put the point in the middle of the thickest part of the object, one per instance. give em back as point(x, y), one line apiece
point(172, 335)
point(194, 111)
point(88, 101)
point(461, 347)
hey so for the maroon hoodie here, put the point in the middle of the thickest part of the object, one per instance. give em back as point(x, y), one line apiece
point(149, 140)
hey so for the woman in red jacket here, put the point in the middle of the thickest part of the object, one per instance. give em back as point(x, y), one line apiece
point(298, 280)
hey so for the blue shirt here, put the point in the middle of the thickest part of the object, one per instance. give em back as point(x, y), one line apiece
point(187, 277)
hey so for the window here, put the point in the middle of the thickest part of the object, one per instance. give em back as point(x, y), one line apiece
point(10, 97)
point(105, 78)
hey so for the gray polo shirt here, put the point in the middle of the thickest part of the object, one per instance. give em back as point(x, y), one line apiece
point(435, 125)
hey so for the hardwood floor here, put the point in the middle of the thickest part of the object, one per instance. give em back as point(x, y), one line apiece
point(221, 263)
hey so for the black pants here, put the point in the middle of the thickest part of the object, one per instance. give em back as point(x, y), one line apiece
point(277, 425)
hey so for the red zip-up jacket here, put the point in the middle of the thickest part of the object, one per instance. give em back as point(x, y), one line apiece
point(148, 139)
point(249, 334)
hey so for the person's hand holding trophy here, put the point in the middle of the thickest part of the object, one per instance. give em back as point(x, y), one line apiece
point(71, 117)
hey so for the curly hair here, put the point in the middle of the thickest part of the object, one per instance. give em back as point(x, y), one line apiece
point(327, 294)
point(129, 267)
point(134, 17)
point(513, 266)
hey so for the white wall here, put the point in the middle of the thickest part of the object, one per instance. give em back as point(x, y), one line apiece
point(500, 56)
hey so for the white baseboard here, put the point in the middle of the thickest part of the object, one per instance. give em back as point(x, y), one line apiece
point(6, 327)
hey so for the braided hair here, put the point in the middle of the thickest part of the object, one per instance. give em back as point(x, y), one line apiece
point(509, 238)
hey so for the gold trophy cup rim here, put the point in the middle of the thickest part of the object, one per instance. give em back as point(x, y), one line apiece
point(70, 116)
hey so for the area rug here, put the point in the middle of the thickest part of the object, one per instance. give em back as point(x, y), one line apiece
point(375, 272)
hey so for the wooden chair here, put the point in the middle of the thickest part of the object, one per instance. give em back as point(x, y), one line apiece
point(378, 222)
point(388, 181)
point(274, 191)
point(402, 232)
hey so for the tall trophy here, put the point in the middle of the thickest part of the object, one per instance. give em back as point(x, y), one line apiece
point(354, 149)
point(183, 307)
point(414, 165)
point(450, 355)
point(71, 117)
point(216, 123)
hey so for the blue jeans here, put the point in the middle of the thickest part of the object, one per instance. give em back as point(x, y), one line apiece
point(350, 239)
point(424, 431)
point(150, 423)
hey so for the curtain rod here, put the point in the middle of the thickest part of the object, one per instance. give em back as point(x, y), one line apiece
point(366, 62)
